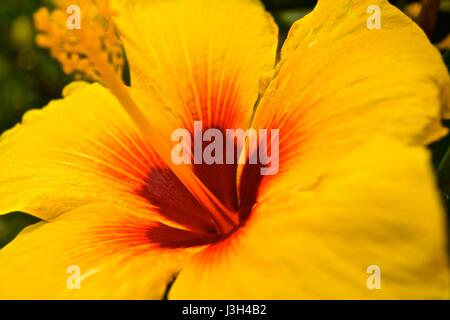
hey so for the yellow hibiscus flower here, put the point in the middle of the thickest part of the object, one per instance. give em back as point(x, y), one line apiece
point(354, 105)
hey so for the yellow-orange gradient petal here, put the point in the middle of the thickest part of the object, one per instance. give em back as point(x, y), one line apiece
point(84, 149)
point(197, 59)
point(376, 208)
point(93, 252)
point(340, 82)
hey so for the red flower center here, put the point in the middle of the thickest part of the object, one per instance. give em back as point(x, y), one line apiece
point(173, 201)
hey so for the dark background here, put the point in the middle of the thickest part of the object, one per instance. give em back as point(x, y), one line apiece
point(30, 78)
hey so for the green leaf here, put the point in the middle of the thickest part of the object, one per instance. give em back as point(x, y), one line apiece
point(11, 224)
point(447, 59)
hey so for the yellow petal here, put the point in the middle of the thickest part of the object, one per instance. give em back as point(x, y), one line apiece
point(197, 59)
point(78, 150)
point(340, 82)
point(93, 252)
point(378, 206)
point(84, 149)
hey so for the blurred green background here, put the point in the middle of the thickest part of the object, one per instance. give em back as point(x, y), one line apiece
point(30, 78)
